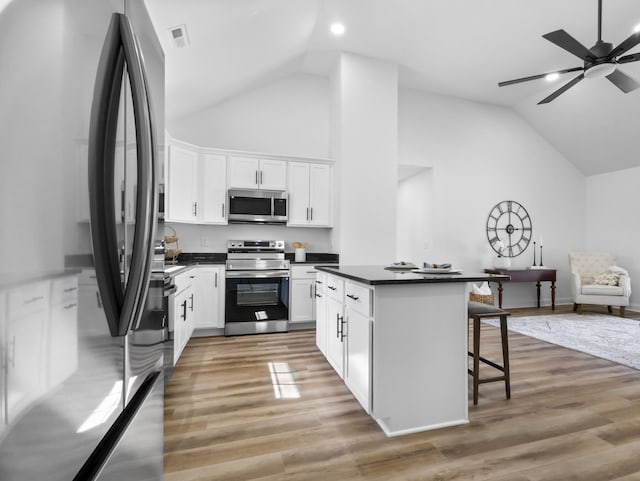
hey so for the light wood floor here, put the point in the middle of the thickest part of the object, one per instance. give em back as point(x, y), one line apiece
point(571, 417)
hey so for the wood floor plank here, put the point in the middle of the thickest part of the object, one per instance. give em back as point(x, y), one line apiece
point(572, 416)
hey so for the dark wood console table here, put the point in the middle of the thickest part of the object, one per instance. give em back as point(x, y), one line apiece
point(527, 275)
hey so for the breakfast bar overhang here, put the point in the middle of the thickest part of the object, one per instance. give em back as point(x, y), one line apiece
point(417, 339)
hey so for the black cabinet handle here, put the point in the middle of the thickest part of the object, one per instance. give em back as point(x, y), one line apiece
point(351, 296)
point(332, 288)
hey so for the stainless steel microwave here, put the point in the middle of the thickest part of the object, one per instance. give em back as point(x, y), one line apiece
point(257, 206)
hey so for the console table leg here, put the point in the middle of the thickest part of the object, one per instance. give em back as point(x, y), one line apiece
point(538, 287)
point(553, 295)
point(500, 295)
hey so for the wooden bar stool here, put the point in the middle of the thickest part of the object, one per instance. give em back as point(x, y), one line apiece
point(478, 311)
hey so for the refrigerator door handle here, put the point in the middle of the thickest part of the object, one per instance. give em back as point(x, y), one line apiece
point(146, 196)
point(102, 140)
point(123, 309)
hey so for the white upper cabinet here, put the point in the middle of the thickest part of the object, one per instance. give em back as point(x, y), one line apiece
point(253, 173)
point(214, 188)
point(309, 194)
point(182, 205)
point(196, 186)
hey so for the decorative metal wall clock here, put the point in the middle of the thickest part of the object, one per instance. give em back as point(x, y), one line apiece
point(509, 228)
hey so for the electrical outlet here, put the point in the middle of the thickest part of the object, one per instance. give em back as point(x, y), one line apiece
point(204, 242)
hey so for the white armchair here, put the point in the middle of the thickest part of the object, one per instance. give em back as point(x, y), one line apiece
point(596, 279)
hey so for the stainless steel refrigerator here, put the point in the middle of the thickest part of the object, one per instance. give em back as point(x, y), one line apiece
point(81, 273)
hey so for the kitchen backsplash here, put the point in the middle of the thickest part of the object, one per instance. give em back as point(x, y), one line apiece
point(213, 238)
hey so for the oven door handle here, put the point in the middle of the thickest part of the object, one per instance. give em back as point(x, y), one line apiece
point(257, 274)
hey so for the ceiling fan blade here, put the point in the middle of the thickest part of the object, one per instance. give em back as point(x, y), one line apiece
point(563, 40)
point(535, 77)
point(562, 89)
point(628, 44)
point(623, 81)
point(634, 57)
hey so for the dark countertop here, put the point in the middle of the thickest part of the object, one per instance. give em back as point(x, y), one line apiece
point(378, 275)
point(17, 280)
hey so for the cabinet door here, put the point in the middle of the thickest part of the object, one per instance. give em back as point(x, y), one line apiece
point(62, 356)
point(320, 195)
point(298, 194)
point(210, 296)
point(181, 185)
point(302, 300)
point(213, 185)
point(321, 316)
point(180, 315)
point(244, 173)
point(27, 321)
point(335, 342)
point(273, 174)
point(357, 367)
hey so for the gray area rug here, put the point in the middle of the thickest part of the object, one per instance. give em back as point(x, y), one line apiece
point(609, 337)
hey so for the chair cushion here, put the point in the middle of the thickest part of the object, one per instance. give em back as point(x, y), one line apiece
point(601, 290)
point(607, 279)
point(478, 309)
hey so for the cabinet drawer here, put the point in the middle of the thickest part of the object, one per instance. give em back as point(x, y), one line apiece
point(303, 272)
point(185, 280)
point(335, 287)
point(358, 298)
point(28, 299)
point(64, 290)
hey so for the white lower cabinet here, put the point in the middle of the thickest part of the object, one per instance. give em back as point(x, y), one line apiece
point(27, 320)
point(358, 332)
point(210, 297)
point(182, 321)
point(62, 334)
point(348, 327)
point(321, 311)
point(303, 294)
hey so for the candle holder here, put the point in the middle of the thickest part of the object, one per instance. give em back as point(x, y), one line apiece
point(541, 264)
point(534, 254)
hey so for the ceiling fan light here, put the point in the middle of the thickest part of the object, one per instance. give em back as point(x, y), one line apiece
point(600, 70)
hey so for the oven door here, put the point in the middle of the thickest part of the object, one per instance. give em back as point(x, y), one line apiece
point(256, 302)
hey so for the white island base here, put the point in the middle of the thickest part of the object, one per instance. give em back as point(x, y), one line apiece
point(419, 357)
point(399, 342)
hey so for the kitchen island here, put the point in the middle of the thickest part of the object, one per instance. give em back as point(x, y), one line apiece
point(399, 341)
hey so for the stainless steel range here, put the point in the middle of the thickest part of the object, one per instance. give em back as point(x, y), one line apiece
point(257, 287)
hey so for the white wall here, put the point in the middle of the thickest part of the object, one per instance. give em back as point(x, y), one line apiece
point(415, 217)
point(480, 155)
point(613, 223)
point(289, 116)
point(365, 93)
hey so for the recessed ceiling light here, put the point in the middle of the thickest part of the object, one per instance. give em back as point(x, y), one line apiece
point(337, 29)
point(552, 76)
point(636, 29)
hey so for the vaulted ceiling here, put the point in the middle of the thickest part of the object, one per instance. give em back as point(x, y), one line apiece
point(461, 48)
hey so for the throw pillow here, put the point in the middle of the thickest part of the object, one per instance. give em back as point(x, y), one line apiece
point(607, 279)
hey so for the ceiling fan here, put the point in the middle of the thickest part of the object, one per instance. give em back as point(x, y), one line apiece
point(601, 60)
